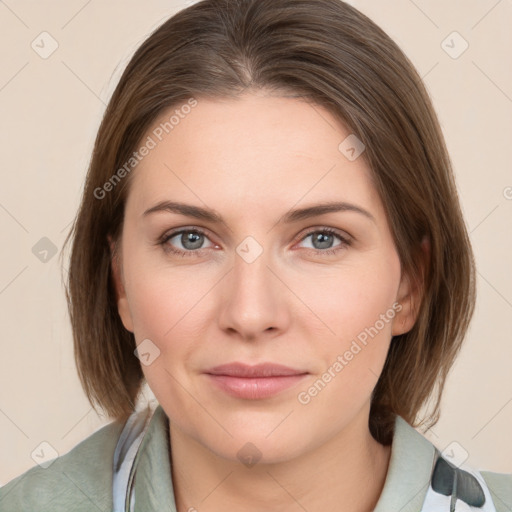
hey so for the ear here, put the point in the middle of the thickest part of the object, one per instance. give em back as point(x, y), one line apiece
point(410, 294)
point(117, 278)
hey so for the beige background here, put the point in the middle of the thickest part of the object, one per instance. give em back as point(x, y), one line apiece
point(50, 110)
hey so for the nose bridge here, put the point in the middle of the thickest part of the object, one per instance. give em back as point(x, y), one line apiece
point(254, 301)
point(251, 267)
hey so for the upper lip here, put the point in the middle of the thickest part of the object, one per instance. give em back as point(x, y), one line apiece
point(258, 370)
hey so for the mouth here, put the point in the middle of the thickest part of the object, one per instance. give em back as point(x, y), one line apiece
point(254, 382)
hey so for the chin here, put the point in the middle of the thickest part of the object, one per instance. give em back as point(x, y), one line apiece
point(253, 445)
point(251, 451)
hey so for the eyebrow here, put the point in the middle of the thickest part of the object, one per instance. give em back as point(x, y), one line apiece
point(207, 214)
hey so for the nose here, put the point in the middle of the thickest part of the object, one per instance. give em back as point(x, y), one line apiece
point(253, 301)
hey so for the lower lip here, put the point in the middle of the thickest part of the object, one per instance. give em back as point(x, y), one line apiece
point(255, 388)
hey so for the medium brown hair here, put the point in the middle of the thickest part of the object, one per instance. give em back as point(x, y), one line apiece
point(332, 55)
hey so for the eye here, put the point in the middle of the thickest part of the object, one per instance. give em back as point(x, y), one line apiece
point(190, 240)
point(322, 240)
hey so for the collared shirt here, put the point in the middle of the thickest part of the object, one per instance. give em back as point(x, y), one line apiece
point(132, 462)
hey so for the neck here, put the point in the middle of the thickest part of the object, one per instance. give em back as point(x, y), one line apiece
point(345, 473)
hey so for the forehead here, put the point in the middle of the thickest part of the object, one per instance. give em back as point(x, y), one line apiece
point(253, 150)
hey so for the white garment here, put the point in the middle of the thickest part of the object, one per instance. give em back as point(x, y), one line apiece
point(126, 450)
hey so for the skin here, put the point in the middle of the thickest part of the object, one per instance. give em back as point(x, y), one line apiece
point(253, 159)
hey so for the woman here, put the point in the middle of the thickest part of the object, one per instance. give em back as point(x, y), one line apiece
point(270, 237)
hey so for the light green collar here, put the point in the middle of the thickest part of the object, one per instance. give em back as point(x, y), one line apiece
point(410, 467)
point(153, 482)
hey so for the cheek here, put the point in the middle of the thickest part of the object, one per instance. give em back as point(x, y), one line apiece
point(161, 297)
point(171, 308)
point(357, 306)
point(165, 308)
point(352, 300)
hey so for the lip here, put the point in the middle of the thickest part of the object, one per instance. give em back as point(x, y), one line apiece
point(254, 382)
point(257, 370)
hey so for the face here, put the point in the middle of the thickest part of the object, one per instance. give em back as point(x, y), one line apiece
point(321, 294)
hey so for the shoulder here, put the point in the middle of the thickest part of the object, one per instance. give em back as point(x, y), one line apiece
point(78, 480)
point(500, 487)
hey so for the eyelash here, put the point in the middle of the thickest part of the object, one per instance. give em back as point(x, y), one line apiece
point(345, 242)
